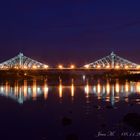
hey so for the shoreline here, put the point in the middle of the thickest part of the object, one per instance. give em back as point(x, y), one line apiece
point(79, 77)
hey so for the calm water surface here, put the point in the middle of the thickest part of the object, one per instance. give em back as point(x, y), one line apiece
point(34, 110)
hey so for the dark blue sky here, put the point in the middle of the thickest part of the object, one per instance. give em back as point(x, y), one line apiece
point(66, 31)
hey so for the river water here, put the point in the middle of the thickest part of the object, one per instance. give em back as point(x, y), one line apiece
point(38, 111)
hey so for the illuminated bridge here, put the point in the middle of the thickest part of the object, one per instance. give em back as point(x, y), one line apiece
point(111, 61)
point(22, 62)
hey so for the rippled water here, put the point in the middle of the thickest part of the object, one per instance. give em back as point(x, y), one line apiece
point(34, 110)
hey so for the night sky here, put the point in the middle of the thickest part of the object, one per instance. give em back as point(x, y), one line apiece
point(69, 31)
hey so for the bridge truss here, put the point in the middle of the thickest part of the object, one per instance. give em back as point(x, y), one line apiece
point(112, 61)
point(22, 62)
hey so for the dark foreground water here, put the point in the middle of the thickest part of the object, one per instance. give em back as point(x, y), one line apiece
point(34, 111)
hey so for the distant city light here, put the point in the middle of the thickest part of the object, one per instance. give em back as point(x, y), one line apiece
point(25, 67)
point(16, 67)
point(72, 66)
point(38, 66)
point(108, 66)
point(117, 66)
point(46, 66)
point(86, 66)
point(138, 67)
point(60, 66)
point(34, 67)
point(98, 66)
point(126, 67)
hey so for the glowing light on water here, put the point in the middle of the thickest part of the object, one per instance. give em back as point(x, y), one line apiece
point(84, 77)
point(87, 90)
point(34, 90)
point(94, 89)
point(117, 87)
point(60, 89)
point(29, 90)
point(25, 88)
point(1, 89)
point(6, 88)
point(103, 89)
point(46, 90)
point(132, 88)
point(72, 88)
point(108, 88)
point(16, 88)
point(112, 99)
point(126, 87)
point(38, 90)
point(138, 87)
point(98, 88)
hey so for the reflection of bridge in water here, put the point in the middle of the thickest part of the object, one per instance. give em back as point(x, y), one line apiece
point(113, 92)
point(108, 92)
point(111, 61)
point(20, 93)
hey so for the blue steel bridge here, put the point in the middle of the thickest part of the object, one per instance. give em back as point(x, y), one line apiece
point(112, 61)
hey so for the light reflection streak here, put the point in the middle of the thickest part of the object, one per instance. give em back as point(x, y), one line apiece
point(117, 87)
point(99, 90)
point(21, 99)
point(34, 89)
point(16, 88)
point(108, 88)
point(87, 89)
point(25, 88)
point(60, 89)
point(132, 89)
point(103, 89)
point(6, 88)
point(126, 87)
point(72, 89)
point(112, 96)
point(94, 89)
point(46, 90)
point(1, 89)
point(138, 87)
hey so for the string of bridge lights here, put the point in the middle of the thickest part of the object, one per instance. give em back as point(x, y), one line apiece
point(75, 67)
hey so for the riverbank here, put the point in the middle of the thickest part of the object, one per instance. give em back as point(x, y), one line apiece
point(80, 77)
